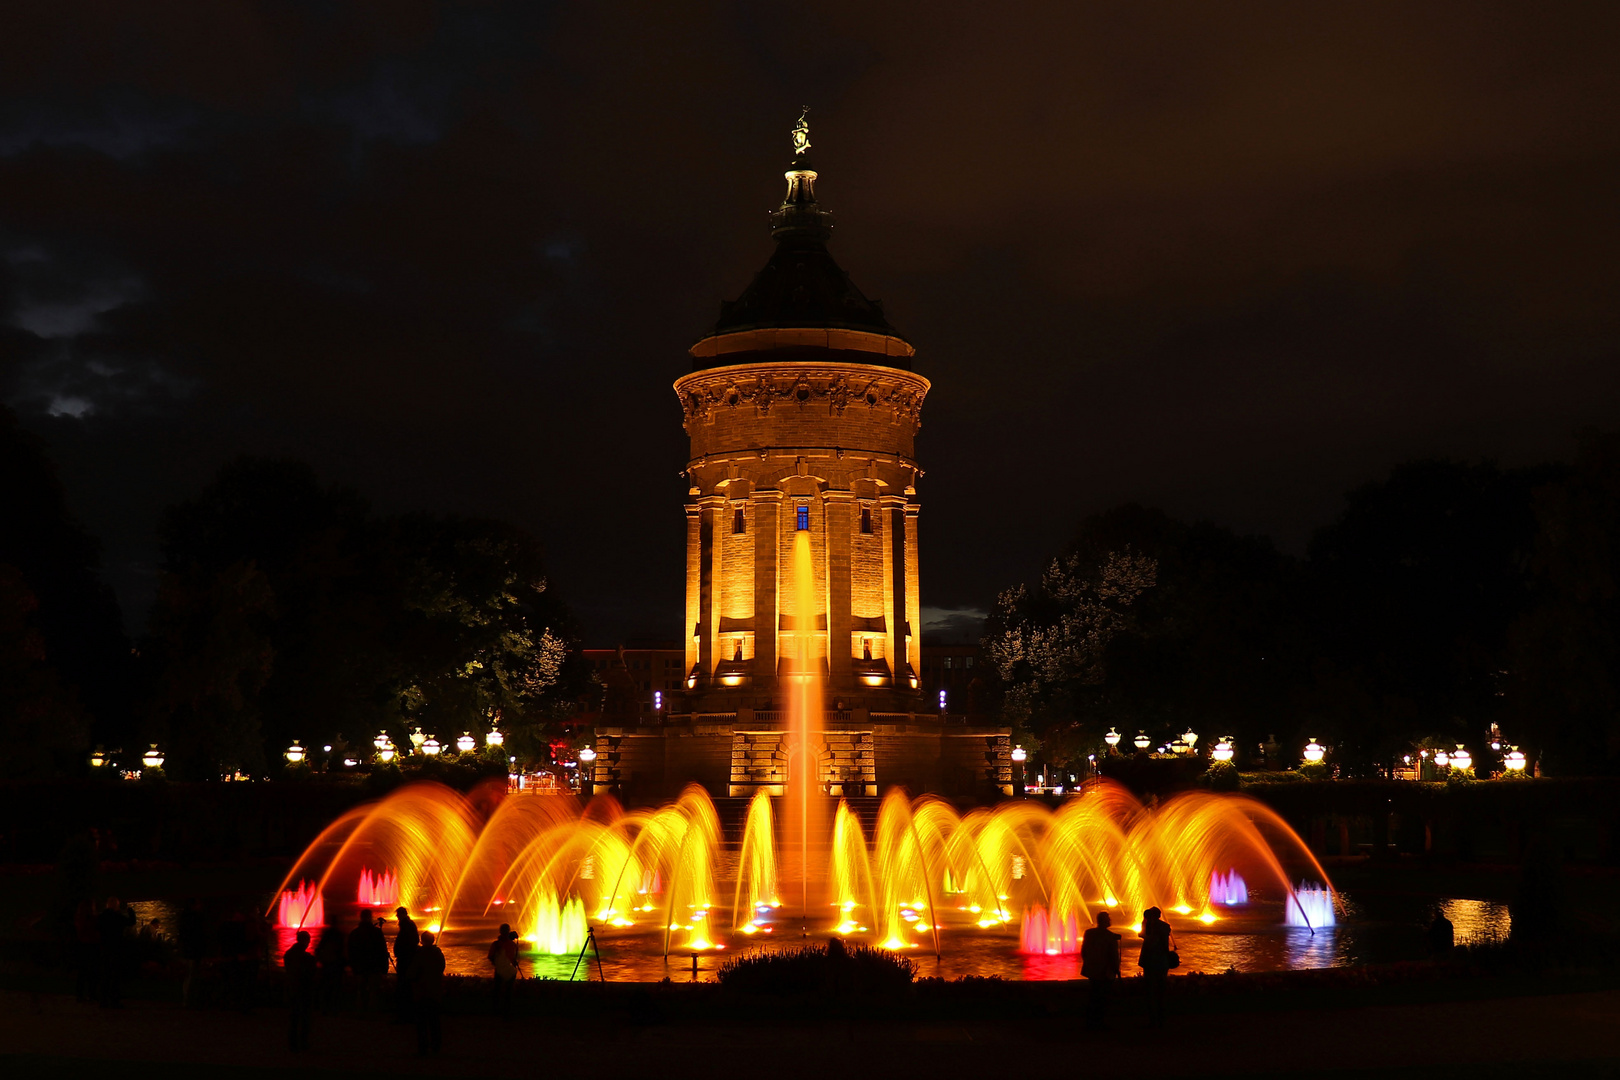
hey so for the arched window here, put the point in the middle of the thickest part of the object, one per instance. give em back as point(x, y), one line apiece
point(866, 520)
point(739, 522)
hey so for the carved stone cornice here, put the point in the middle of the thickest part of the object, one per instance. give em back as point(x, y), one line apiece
point(798, 385)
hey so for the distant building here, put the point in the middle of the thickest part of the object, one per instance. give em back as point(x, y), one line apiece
point(802, 410)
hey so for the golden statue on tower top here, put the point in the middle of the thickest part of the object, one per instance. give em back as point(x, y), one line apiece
point(801, 134)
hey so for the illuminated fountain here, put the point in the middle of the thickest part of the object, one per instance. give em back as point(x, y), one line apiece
point(301, 908)
point(1228, 889)
point(806, 807)
point(1310, 906)
point(377, 890)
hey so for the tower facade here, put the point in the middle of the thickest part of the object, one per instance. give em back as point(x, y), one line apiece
point(802, 411)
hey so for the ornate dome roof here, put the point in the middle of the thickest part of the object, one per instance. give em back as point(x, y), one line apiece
point(801, 287)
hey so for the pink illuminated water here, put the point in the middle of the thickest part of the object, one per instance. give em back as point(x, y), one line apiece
point(301, 908)
point(1228, 889)
point(1042, 935)
point(377, 890)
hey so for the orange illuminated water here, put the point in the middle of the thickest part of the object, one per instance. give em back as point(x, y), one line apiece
point(806, 809)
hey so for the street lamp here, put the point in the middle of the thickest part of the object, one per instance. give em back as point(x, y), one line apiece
point(1112, 738)
point(1223, 750)
point(1314, 752)
point(1142, 741)
point(1191, 739)
point(385, 749)
point(466, 744)
point(98, 758)
point(1514, 761)
point(153, 758)
point(431, 746)
point(1462, 759)
point(417, 739)
point(382, 740)
point(1019, 755)
point(294, 754)
point(586, 756)
point(494, 738)
point(1442, 760)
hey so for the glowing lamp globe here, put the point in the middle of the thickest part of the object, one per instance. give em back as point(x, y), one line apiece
point(1314, 752)
point(153, 758)
point(494, 738)
point(382, 740)
point(1223, 750)
point(1019, 754)
point(431, 746)
point(417, 739)
point(295, 753)
point(1112, 738)
point(1462, 759)
point(1191, 739)
point(98, 758)
point(466, 744)
point(1442, 759)
point(1514, 761)
point(1142, 741)
point(385, 750)
point(586, 756)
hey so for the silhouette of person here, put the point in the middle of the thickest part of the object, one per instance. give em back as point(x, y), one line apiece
point(192, 939)
point(112, 929)
point(329, 957)
point(427, 992)
point(300, 974)
point(503, 959)
point(1442, 936)
point(1154, 960)
point(406, 944)
point(1099, 966)
point(368, 959)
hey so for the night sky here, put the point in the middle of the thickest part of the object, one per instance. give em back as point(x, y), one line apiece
point(1226, 259)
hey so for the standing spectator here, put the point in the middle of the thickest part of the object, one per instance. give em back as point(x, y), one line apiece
point(1442, 936)
point(1155, 962)
point(112, 932)
point(503, 959)
point(427, 991)
point(406, 944)
point(1099, 966)
point(193, 944)
point(329, 958)
point(368, 957)
point(300, 974)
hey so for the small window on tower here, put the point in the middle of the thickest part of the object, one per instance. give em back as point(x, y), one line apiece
point(804, 517)
point(739, 522)
point(738, 654)
point(866, 519)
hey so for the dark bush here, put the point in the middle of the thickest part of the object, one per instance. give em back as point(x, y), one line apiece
point(833, 969)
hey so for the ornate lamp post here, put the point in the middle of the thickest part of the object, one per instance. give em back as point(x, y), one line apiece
point(431, 746)
point(385, 749)
point(153, 758)
point(1112, 738)
point(98, 758)
point(1442, 760)
point(1314, 752)
point(1222, 750)
point(1514, 761)
point(1462, 759)
point(295, 754)
point(494, 737)
point(1142, 741)
point(467, 744)
point(1191, 739)
point(417, 740)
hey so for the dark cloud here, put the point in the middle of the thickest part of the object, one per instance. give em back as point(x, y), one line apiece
point(1228, 259)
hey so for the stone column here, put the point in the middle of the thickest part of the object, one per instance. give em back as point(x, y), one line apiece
point(840, 671)
point(714, 520)
point(913, 590)
point(694, 587)
point(894, 584)
point(767, 506)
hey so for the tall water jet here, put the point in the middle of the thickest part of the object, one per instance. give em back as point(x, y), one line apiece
point(756, 894)
point(301, 908)
point(806, 811)
point(1310, 906)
